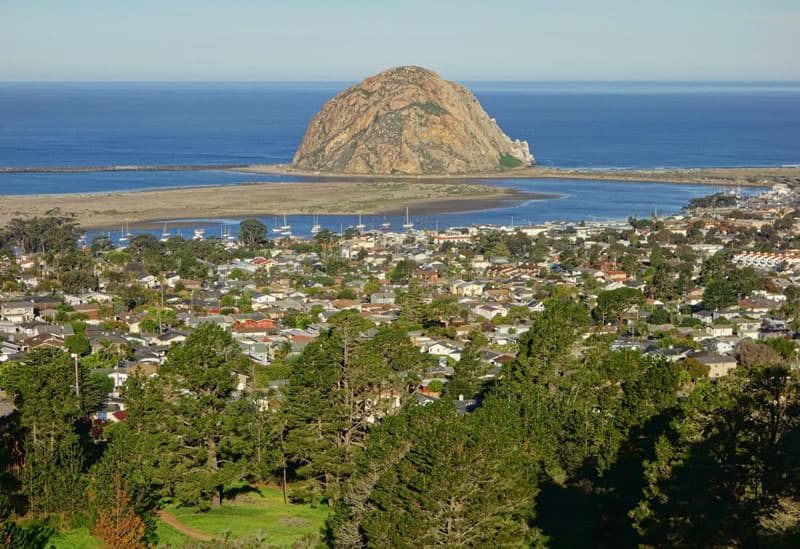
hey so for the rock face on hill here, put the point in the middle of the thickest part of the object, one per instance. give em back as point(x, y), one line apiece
point(407, 120)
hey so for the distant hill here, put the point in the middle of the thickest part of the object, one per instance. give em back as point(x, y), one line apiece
point(407, 120)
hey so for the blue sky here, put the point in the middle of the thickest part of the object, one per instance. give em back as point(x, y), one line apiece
point(349, 39)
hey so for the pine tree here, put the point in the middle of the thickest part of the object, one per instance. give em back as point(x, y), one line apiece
point(466, 377)
point(117, 525)
point(50, 412)
point(194, 448)
point(460, 484)
point(344, 383)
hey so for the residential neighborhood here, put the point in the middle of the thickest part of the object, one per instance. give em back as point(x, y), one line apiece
point(188, 374)
point(709, 279)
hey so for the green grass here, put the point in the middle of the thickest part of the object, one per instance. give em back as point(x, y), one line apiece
point(508, 161)
point(169, 537)
point(80, 538)
point(262, 511)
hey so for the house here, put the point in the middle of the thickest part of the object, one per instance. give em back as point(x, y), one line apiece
point(253, 327)
point(382, 298)
point(18, 311)
point(489, 311)
point(167, 339)
point(45, 340)
point(445, 350)
point(466, 289)
point(720, 330)
point(720, 365)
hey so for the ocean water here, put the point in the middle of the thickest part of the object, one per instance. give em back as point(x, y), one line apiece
point(593, 125)
point(570, 125)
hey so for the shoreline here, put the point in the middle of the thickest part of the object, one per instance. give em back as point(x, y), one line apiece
point(738, 176)
point(144, 209)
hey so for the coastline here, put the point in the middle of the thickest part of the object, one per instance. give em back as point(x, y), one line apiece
point(739, 176)
point(143, 209)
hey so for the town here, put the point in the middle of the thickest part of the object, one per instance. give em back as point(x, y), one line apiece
point(710, 290)
point(690, 286)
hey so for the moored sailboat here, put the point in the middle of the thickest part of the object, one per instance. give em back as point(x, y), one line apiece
point(408, 224)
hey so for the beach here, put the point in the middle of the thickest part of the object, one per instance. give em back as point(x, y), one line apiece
point(144, 209)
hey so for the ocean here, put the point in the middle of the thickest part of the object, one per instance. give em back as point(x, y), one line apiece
point(567, 124)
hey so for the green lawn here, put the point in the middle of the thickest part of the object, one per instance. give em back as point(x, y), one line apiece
point(260, 513)
point(169, 537)
point(80, 538)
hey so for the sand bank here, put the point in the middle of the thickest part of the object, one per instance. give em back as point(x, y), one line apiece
point(141, 209)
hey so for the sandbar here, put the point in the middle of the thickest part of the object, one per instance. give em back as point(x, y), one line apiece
point(141, 209)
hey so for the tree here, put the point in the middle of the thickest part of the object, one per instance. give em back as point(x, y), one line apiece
point(662, 284)
point(718, 295)
point(77, 344)
point(630, 264)
point(616, 304)
point(100, 244)
point(784, 347)
point(459, 483)
point(728, 454)
point(465, 379)
point(117, 523)
point(656, 256)
point(543, 349)
point(443, 308)
point(201, 447)
point(47, 393)
point(339, 387)
point(55, 232)
point(750, 353)
point(412, 303)
point(253, 233)
point(403, 270)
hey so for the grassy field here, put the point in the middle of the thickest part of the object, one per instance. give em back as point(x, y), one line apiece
point(168, 537)
point(259, 513)
point(80, 538)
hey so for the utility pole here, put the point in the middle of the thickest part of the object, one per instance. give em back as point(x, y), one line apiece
point(77, 379)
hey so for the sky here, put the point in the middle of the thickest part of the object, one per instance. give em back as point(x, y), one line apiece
point(344, 40)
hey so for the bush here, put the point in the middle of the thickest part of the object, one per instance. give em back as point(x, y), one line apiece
point(691, 322)
point(659, 316)
point(435, 386)
point(508, 161)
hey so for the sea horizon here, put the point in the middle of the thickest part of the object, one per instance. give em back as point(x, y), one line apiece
point(570, 125)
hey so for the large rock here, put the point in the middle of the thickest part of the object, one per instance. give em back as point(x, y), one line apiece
point(407, 120)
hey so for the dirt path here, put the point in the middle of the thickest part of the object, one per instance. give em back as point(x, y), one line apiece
point(173, 521)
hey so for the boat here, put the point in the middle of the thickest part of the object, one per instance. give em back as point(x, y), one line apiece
point(360, 227)
point(199, 234)
point(122, 235)
point(385, 226)
point(228, 235)
point(408, 224)
point(164, 233)
point(276, 228)
point(315, 226)
point(285, 228)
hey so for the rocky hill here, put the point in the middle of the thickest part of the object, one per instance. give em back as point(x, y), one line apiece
point(407, 120)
